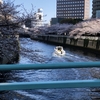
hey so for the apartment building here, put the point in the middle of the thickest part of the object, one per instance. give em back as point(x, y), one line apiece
point(76, 9)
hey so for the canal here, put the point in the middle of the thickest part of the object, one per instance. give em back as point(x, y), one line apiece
point(38, 52)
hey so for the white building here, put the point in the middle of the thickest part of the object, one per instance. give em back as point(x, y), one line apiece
point(38, 18)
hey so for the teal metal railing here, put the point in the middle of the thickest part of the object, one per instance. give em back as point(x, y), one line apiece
point(50, 84)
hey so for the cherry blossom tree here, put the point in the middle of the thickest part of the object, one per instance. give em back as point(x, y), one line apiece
point(11, 21)
point(89, 27)
point(57, 29)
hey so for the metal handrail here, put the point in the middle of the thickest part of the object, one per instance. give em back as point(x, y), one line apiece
point(49, 66)
point(50, 84)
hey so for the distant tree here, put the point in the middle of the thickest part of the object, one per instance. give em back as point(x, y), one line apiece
point(57, 29)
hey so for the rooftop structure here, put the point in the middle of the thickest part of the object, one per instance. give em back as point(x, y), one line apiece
point(38, 18)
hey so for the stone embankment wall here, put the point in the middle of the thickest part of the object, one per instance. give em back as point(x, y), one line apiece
point(9, 49)
point(85, 42)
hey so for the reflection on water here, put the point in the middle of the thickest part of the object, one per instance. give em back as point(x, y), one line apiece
point(38, 52)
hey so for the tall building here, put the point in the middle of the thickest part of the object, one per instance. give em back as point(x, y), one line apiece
point(96, 9)
point(76, 9)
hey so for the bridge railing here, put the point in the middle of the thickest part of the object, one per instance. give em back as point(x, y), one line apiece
point(50, 84)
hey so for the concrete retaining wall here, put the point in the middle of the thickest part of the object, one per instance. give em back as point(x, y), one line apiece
point(83, 42)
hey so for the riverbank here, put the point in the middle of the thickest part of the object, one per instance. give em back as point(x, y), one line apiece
point(87, 43)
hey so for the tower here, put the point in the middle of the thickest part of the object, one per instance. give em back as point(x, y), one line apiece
point(40, 14)
point(38, 18)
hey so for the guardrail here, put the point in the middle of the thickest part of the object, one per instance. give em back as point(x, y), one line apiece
point(50, 84)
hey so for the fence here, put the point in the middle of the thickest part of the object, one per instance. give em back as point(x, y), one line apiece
point(50, 84)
